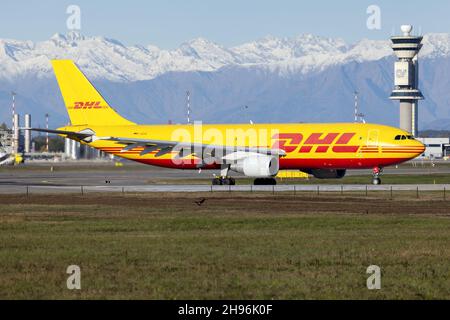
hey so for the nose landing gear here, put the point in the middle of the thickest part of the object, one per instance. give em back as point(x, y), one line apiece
point(376, 175)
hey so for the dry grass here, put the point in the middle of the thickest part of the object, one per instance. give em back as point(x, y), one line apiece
point(240, 245)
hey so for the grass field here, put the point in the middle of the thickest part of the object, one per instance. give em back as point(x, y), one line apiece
point(258, 246)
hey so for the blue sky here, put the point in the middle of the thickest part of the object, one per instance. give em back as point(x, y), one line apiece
point(229, 22)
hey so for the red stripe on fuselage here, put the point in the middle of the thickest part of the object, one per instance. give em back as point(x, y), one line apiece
point(351, 149)
point(322, 149)
point(305, 149)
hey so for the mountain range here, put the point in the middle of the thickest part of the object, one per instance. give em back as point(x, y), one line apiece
point(301, 79)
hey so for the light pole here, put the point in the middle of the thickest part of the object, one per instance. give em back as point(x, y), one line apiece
point(46, 126)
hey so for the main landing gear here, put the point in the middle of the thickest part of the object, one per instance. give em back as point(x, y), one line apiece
point(376, 175)
point(228, 181)
point(224, 179)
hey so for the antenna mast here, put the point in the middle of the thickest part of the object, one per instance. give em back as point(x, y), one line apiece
point(188, 106)
point(15, 124)
point(13, 107)
point(46, 126)
point(359, 117)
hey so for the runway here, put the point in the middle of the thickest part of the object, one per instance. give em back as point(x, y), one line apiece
point(182, 188)
point(92, 177)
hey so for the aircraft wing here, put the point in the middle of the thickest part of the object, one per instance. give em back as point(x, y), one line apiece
point(207, 153)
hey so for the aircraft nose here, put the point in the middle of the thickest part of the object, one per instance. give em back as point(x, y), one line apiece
point(420, 148)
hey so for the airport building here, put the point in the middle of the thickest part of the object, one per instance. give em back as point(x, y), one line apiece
point(19, 142)
point(436, 148)
point(74, 150)
point(6, 141)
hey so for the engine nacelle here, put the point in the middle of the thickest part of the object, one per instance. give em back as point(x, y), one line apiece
point(328, 173)
point(258, 166)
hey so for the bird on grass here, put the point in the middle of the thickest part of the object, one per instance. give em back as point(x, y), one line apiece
point(200, 202)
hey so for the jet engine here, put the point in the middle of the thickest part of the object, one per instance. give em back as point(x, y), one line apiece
point(258, 166)
point(328, 173)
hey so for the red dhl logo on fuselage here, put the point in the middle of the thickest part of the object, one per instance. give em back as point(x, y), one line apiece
point(338, 142)
point(87, 105)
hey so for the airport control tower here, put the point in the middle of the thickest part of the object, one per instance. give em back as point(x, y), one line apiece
point(406, 47)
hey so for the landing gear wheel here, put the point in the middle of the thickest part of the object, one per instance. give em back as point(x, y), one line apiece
point(376, 175)
point(265, 182)
point(228, 181)
point(223, 181)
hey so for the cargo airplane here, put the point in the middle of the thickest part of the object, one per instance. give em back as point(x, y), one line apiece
point(256, 150)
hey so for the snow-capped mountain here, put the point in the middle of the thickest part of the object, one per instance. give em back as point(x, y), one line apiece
point(311, 77)
point(109, 59)
point(104, 58)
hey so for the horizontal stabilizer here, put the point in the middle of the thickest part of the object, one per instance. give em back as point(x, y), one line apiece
point(81, 135)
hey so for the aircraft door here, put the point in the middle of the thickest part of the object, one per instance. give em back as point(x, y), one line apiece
point(372, 137)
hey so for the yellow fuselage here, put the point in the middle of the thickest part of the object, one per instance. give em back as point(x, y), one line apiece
point(307, 146)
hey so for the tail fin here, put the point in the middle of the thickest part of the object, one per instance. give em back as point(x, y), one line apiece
point(84, 103)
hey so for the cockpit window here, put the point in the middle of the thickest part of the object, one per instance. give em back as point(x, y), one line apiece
point(403, 137)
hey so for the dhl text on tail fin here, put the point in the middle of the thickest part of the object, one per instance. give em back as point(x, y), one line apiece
point(84, 103)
